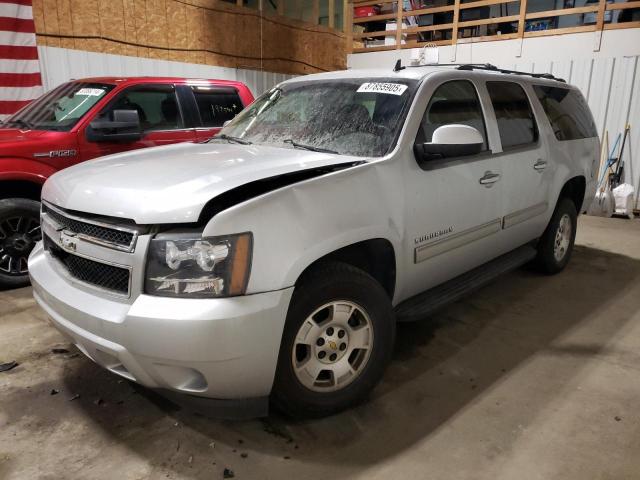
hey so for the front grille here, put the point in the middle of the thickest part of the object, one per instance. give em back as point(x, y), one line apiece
point(108, 277)
point(91, 231)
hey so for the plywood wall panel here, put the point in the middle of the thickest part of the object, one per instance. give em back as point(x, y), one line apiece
point(111, 17)
point(195, 31)
point(130, 28)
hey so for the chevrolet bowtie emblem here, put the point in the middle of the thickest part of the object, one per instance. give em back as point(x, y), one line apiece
point(333, 345)
point(68, 242)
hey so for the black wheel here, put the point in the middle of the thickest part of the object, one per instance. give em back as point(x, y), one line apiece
point(556, 244)
point(19, 232)
point(338, 339)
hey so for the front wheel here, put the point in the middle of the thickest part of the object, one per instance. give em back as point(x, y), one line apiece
point(19, 232)
point(556, 244)
point(337, 341)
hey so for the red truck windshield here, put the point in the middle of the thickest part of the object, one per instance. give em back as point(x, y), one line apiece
point(61, 108)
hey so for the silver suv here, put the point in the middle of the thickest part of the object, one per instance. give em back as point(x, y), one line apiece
point(273, 261)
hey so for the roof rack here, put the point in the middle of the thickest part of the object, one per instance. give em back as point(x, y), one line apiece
point(481, 66)
point(493, 68)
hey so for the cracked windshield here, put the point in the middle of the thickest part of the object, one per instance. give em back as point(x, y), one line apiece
point(347, 117)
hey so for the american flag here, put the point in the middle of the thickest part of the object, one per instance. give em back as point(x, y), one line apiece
point(20, 80)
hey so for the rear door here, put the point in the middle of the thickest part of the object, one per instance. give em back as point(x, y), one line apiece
point(526, 167)
point(215, 105)
point(161, 117)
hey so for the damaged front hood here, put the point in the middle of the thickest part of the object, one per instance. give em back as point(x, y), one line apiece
point(172, 184)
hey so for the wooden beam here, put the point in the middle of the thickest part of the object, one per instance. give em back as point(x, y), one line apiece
point(331, 6)
point(488, 38)
point(347, 23)
point(380, 48)
point(429, 28)
point(600, 16)
point(560, 31)
point(489, 21)
point(375, 18)
point(623, 6)
point(422, 44)
point(617, 26)
point(484, 3)
point(427, 11)
point(560, 12)
point(281, 4)
point(456, 22)
point(521, 17)
point(315, 12)
point(400, 5)
point(239, 3)
point(372, 2)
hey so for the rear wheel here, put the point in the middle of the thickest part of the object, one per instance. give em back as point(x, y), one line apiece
point(556, 244)
point(19, 232)
point(337, 341)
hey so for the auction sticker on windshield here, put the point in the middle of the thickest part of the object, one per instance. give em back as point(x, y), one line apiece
point(375, 87)
point(90, 92)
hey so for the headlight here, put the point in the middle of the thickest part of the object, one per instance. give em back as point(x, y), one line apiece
point(185, 266)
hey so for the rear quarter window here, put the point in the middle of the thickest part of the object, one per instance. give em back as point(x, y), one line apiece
point(567, 111)
point(217, 105)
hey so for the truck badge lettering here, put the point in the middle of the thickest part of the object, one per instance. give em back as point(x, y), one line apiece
point(56, 153)
point(432, 235)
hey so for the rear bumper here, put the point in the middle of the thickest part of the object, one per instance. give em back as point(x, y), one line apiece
point(217, 348)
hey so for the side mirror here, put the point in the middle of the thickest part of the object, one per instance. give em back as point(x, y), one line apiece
point(123, 127)
point(450, 141)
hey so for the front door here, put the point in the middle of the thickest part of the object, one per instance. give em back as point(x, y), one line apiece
point(161, 119)
point(452, 205)
point(526, 167)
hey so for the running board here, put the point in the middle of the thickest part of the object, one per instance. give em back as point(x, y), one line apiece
point(425, 303)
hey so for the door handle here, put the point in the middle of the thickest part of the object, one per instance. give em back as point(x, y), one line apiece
point(540, 165)
point(489, 179)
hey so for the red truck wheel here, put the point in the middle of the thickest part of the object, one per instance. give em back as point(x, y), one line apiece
point(19, 232)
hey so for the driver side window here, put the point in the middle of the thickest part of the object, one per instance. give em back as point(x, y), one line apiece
point(453, 102)
point(157, 107)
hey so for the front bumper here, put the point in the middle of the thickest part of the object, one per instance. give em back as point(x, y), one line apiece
point(223, 348)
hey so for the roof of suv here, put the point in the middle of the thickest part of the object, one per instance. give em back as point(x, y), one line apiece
point(420, 72)
point(135, 80)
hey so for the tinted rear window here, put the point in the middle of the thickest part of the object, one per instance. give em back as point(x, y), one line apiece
point(516, 123)
point(217, 105)
point(567, 112)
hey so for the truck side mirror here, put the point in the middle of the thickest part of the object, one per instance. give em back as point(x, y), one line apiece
point(449, 141)
point(124, 126)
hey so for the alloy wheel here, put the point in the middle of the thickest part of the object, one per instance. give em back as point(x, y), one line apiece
point(332, 346)
point(562, 238)
point(18, 236)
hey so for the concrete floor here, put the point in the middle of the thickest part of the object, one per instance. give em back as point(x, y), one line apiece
point(530, 378)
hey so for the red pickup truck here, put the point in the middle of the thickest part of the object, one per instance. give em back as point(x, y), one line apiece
point(89, 118)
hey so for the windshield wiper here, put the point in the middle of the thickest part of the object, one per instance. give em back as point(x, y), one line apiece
point(229, 138)
point(308, 147)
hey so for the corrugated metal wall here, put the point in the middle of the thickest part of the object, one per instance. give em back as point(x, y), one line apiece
point(612, 88)
point(58, 65)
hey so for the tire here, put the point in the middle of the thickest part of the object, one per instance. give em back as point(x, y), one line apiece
point(556, 244)
point(345, 301)
point(19, 232)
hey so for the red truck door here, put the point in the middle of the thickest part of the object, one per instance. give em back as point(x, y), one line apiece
point(162, 119)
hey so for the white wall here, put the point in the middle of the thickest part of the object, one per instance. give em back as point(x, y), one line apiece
point(58, 65)
point(609, 78)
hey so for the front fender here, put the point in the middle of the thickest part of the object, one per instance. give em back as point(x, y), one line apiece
point(25, 169)
point(296, 225)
